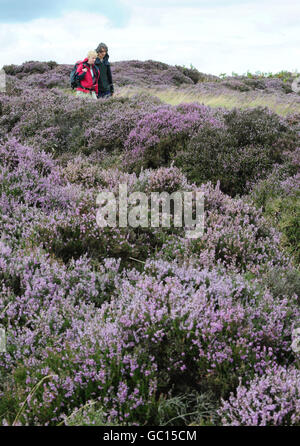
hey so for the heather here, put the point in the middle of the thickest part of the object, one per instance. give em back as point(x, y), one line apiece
point(278, 197)
point(234, 155)
point(236, 235)
point(141, 325)
point(271, 400)
point(37, 120)
point(159, 135)
point(153, 73)
point(122, 338)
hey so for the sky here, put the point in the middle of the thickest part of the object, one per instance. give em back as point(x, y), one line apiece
point(215, 36)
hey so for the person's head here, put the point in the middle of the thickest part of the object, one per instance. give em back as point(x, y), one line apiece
point(101, 50)
point(92, 56)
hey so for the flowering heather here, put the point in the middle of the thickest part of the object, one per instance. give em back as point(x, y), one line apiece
point(32, 178)
point(159, 134)
point(80, 170)
point(119, 322)
point(112, 126)
point(118, 353)
point(86, 127)
point(30, 67)
point(269, 86)
point(40, 74)
point(291, 184)
point(236, 235)
point(154, 73)
point(269, 400)
point(48, 80)
point(148, 73)
point(74, 232)
point(165, 179)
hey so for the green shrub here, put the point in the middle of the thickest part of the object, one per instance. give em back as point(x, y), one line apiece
point(213, 155)
point(279, 198)
point(259, 126)
point(285, 211)
point(239, 154)
point(283, 283)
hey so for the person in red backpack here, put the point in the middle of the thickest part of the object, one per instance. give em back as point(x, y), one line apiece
point(88, 76)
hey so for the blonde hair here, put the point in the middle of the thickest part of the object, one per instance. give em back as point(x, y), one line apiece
point(92, 53)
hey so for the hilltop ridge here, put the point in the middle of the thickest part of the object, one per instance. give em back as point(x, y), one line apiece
point(154, 74)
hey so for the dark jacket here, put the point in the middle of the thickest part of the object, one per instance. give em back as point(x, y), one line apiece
point(87, 83)
point(105, 62)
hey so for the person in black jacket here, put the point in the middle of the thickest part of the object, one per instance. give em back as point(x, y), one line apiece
point(105, 83)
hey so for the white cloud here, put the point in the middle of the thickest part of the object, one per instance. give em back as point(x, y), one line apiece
point(225, 38)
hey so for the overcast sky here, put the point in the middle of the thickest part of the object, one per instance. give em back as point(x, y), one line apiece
point(215, 36)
